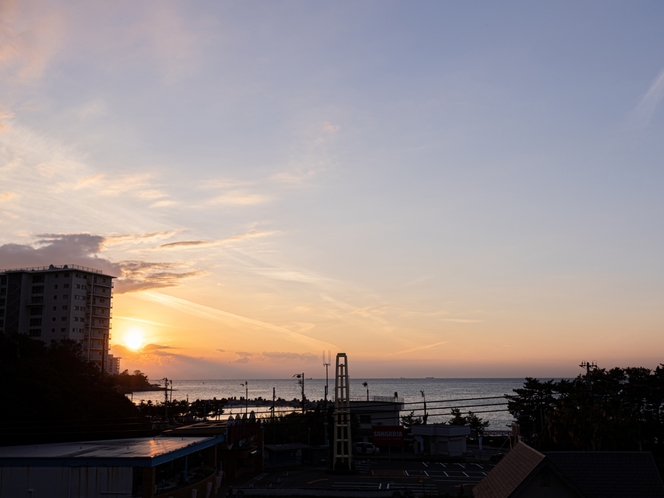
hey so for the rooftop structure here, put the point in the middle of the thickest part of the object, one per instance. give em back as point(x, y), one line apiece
point(525, 472)
point(146, 467)
point(60, 302)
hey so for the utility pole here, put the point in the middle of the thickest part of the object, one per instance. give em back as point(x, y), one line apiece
point(326, 364)
point(274, 429)
point(588, 366)
point(165, 398)
point(246, 396)
point(301, 381)
point(426, 415)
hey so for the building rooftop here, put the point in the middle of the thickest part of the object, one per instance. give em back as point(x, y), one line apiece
point(55, 267)
point(134, 452)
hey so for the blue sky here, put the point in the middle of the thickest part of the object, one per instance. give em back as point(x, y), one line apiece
point(468, 189)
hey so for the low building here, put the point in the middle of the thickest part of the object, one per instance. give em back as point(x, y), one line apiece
point(138, 467)
point(526, 473)
point(377, 410)
point(440, 439)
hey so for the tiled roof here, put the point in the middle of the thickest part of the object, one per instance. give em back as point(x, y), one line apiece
point(510, 472)
point(609, 474)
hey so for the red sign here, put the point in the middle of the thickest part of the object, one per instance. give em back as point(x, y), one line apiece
point(387, 435)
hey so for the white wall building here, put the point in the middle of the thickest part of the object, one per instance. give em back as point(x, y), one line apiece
point(60, 302)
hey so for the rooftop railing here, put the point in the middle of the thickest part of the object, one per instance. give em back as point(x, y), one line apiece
point(55, 267)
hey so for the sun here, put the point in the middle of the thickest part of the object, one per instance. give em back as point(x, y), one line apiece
point(134, 338)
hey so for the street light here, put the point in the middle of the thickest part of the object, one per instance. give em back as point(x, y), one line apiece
point(426, 415)
point(301, 377)
point(365, 384)
point(246, 396)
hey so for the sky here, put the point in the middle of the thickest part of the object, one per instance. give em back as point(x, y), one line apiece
point(435, 188)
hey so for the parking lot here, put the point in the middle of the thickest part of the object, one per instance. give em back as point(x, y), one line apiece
point(417, 477)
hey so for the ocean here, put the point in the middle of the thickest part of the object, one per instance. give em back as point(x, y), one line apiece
point(482, 396)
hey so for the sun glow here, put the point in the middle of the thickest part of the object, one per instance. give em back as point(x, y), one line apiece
point(134, 338)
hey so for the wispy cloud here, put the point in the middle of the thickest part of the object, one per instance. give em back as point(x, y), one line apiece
point(288, 356)
point(143, 275)
point(6, 116)
point(83, 249)
point(428, 346)
point(7, 196)
point(25, 52)
point(186, 243)
point(140, 320)
point(139, 237)
point(84, 182)
point(200, 310)
point(240, 198)
point(644, 111)
point(198, 243)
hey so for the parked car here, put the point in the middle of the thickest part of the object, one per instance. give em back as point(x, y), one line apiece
point(366, 449)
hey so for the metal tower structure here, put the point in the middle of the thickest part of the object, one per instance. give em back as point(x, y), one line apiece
point(342, 454)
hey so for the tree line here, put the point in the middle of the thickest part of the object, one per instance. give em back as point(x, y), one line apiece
point(616, 409)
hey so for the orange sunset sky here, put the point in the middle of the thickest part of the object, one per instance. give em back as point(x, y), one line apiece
point(437, 189)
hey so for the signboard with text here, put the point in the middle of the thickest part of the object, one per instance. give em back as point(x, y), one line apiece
point(387, 435)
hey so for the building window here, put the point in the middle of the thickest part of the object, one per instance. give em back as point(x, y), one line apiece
point(365, 419)
point(55, 286)
point(2, 302)
point(37, 278)
point(55, 308)
point(34, 333)
point(53, 318)
point(38, 289)
point(57, 275)
point(65, 296)
point(64, 308)
point(64, 318)
point(55, 296)
point(63, 330)
point(66, 286)
point(52, 331)
point(35, 322)
point(36, 310)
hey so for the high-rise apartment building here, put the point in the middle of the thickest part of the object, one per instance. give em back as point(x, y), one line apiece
point(60, 302)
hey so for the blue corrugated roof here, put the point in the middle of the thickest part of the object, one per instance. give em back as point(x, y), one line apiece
point(135, 452)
